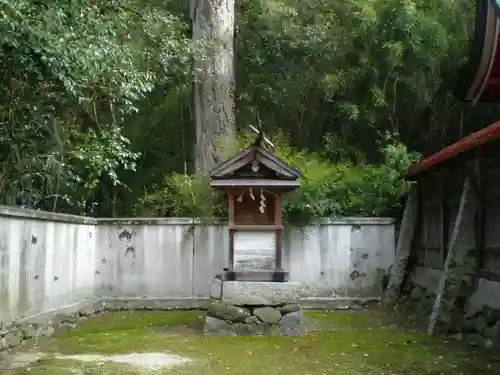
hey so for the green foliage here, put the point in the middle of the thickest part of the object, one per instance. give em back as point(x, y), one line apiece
point(96, 116)
point(345, 188)
point(184, 196)
point(71, 73)
point(354, 69)
point(348, 187)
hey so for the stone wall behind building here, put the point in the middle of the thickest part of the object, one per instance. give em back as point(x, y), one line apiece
point(476, 313)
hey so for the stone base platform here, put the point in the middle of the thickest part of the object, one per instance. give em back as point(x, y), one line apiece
point(271, 276)
point(250, 308)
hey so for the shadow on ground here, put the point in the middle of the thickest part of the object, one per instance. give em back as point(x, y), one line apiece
point(350, 343)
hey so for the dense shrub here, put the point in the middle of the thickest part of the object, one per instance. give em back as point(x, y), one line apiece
point(347, 187)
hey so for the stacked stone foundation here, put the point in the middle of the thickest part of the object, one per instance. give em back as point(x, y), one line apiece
point(475, 315)
point(239, 308)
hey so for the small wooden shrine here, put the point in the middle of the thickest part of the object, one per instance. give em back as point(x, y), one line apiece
point(254, 181)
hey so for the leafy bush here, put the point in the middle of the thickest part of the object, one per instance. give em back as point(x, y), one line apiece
point(345, 188)
point(182, 196)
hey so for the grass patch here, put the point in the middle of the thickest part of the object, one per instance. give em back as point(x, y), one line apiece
point(346, 318)
point(363, 346)
point(115, 322)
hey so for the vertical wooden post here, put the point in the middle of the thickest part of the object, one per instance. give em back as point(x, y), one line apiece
point(278, 221)
point(232, 198)
point(279, 265)
point(231, 250)
point(463, 234)
point(443, 220)
point(403, 247)
point(480, 210)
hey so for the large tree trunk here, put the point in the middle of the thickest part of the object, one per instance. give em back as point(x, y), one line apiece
point(213, 24)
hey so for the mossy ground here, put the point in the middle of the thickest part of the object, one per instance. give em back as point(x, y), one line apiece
point(344, 343)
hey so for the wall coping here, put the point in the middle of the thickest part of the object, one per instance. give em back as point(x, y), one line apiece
point(213, 221)
point(24, 213)
point(159, 221)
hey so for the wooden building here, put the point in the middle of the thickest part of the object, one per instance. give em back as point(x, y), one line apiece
point(441, 178)
point(450, 229)
point(480, 78)
point(449, 242)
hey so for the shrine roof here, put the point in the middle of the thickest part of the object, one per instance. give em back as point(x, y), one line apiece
point(251, 161)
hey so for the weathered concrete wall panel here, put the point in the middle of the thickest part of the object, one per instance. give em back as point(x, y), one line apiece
point(145, 260)
point(44, 264)
point(341, 259)
point(211, 256)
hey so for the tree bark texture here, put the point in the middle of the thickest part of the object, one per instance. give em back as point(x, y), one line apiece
point(403, 247)
point(214, 113)
point(458, 250)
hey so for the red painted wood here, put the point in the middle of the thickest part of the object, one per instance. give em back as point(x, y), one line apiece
point(471, 142)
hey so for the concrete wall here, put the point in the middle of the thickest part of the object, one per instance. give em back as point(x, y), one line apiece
point(49, 261)
point(171, 257)
point(46, 262)
point(344, 258)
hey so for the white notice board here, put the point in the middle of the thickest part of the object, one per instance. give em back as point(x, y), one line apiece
point(254, 251)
